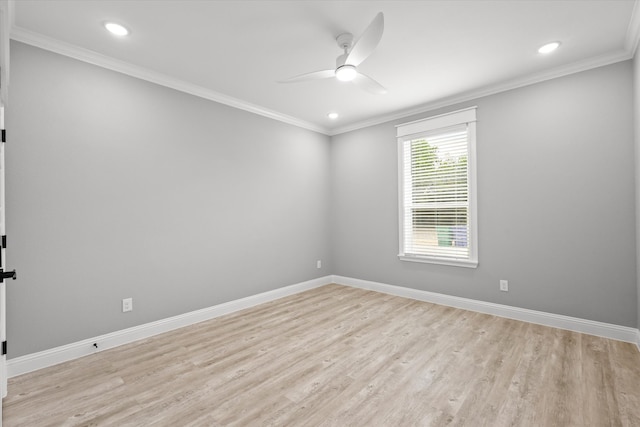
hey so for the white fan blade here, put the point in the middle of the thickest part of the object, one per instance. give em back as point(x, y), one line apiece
point(316, 75)
point(367, 83)
point(367, 43)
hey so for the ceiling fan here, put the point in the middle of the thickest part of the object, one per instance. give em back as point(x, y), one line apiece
point(354, 54)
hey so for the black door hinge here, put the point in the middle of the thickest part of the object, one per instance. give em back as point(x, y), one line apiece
point(4, 135)
point(4, 348)
point(7, 275)
point(3, 245)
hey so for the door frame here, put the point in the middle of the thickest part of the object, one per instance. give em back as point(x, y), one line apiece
point(6, 23)
point(3, 264)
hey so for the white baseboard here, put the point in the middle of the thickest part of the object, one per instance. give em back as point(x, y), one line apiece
point(606, 330)
point(32, 362)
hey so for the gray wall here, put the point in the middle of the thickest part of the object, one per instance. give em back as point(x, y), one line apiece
point(555, 200)
point(121, 188)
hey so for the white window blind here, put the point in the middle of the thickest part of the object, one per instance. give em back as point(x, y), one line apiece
point(437, 189)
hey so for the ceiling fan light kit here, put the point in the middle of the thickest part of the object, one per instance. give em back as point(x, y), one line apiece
point(346, 73)
point(354, 54)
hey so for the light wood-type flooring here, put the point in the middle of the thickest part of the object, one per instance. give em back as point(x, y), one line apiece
point(340, 356)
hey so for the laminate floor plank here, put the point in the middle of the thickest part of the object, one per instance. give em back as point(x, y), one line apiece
point(626, 371)
point(523, 397)
point(600, 402)
point(564, 377)
point(341, 356)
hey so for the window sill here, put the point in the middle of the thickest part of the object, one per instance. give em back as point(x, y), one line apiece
point(441, 261)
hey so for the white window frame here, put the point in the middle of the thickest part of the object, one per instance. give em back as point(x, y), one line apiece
point(420, 128)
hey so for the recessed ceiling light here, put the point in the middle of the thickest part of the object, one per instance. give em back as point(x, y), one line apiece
point(332, 116)
point(116, 29)
point(549, 47)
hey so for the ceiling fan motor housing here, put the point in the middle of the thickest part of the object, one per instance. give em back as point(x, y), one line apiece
point(345, 41)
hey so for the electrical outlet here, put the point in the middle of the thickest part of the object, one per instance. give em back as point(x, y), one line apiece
point(127, 304)
point(504, 285)
point(319, 263)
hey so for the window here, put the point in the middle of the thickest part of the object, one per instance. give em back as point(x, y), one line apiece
point(436, 158)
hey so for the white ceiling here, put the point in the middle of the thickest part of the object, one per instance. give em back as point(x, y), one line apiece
point(431, 53)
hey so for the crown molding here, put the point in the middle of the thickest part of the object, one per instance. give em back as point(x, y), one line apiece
point(527, 80)
point(38, 40)
point(632, 40)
